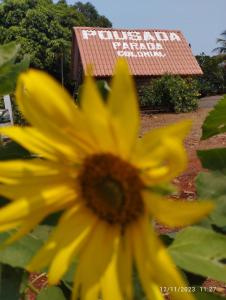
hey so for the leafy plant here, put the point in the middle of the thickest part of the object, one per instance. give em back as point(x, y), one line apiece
point(9, 70)
point(51, 293)
point(213, 80)
point(192, 251)
point(43, 28)
point(170, 93)
point(222, 43)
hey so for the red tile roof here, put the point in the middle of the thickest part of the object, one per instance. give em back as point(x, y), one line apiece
point(148, 52)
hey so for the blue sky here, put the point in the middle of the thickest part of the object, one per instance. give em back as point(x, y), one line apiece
point(201, 21)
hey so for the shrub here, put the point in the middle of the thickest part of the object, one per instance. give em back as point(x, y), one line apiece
point(170, 93)
point(213, 80)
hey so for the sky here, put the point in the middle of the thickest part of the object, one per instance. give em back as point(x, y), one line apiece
point(201, 21)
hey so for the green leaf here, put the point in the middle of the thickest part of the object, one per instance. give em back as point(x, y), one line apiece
point(212, 186)
point(10, 282)
point(167, 238)
point(213, 159)
point(52, 219)
point(51, 293)
point(9, 74)
point(200, 251)
point(215, 122)
point(8, 53)
point(12, 150)
point(20, 253)
point(42, 232)
point(218, 216)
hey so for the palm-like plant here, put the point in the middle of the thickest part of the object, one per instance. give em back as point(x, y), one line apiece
point(222, 42)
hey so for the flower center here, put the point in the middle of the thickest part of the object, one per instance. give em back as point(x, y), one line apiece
point(111, 188)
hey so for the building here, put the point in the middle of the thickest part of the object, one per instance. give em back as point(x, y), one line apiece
point(149, 53)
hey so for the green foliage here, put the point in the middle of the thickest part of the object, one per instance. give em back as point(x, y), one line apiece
point(12, 150)
point(213, 80)
point(213, 159)
point(212, 186)
point(170, 93)
point(92, 18)
point(52, 292)
point(18, 117)
point(8, 53)
point(192, 251)
point(43, 28)
point(21, 252)
point(10, 283)
point(215, 122)
point(222, 43)
point(146, 96)
point(9, 70)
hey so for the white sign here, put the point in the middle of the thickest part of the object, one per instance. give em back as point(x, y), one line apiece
point(8, 106)
point(134, 43)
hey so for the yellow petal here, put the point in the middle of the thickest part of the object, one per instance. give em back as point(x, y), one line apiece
point(91, 293)
point(166, 273)
point(31, 187)
point(166, 162)
point(125, 266)
point(39, 89)
point(82, 224)
point(13, 171)
point(176, 213)
point(50, 200)
point(148, 148)
point(62, 235)
point(170, 277)
point(34, 141)
point(8, 226)
point(25, 228)
point(49, 108)
point(178, 130)
point(110, 285)
point(123, 106)
point(97, 116)
point(102, 240)
point(143, 264)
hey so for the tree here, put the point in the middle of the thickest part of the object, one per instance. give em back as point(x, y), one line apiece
point(91, 15)
point(212, 81)
point(43, 28)
point(222, 42)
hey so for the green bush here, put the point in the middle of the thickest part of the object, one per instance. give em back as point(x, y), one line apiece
point(170, 93)
point(213, 80)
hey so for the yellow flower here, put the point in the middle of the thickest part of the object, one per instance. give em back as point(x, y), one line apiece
point(90, 164)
